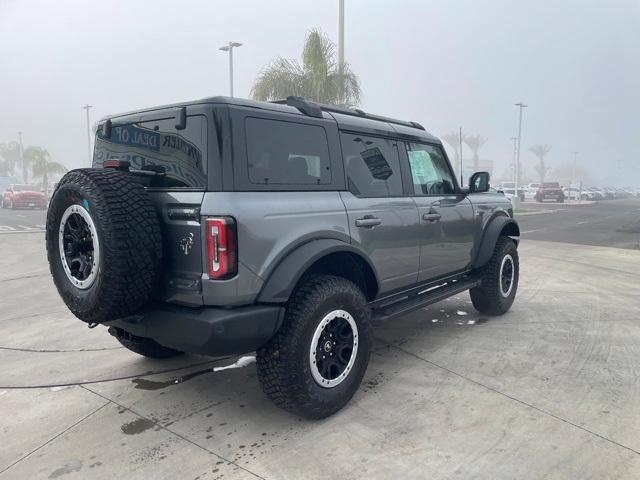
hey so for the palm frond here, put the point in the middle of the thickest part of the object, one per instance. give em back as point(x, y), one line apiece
point(280, 79)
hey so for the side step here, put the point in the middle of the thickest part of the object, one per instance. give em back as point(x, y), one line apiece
point(420, 300)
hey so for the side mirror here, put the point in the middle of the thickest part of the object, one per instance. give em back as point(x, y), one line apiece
point(479, 182)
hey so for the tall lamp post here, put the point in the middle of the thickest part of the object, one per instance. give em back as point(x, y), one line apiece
point(87, 107)
point(521, 106)
point(229, 48)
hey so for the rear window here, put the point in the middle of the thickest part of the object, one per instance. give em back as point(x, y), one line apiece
point(285, 153)
point(179, 157)
point(551, 185)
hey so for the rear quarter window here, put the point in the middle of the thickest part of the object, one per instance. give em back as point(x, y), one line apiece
point(286, 153)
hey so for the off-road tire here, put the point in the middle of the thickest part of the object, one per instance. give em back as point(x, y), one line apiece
point(487, 298)
point(143, 346)
point(283, 364)
point(128, 230)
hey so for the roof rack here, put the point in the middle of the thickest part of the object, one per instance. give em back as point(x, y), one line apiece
point(315, 109)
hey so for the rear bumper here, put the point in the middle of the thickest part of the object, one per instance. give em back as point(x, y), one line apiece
point(206, 330)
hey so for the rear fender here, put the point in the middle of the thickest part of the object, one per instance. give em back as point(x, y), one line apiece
point(285, 277)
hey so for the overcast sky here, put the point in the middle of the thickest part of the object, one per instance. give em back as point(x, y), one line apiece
point(442, 63)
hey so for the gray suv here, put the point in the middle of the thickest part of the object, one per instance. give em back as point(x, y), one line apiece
point(225, 226)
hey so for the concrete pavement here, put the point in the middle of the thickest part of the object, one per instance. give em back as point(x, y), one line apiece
point(549, 390)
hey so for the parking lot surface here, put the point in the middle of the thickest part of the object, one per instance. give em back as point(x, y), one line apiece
point(549, 390)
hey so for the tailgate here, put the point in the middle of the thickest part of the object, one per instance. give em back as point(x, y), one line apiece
point(179, 214)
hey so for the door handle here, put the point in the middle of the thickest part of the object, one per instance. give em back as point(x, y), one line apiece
point(431, 217)
point(368, 222)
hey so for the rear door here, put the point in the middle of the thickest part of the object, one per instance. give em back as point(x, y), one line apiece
point(383, 221)
point(172, 164)
point(447, 224)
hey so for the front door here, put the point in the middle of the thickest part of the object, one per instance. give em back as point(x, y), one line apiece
point(446, 215)
point(382, 220)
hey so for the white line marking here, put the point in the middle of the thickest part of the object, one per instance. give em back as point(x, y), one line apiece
point(531, 231)
point(6, 228)
point(582, 223)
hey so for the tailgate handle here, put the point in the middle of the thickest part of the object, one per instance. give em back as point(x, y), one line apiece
point(183, 213)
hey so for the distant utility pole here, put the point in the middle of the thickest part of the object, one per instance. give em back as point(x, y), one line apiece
point(21, 158)
point(86, 108)
point(520, 106)
point(460, 147)
point(229, 48)
point(573, 171)
point(341, 47)
point(513, 160)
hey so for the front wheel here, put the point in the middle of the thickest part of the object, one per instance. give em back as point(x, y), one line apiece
point(496, 293)
point(316, 361)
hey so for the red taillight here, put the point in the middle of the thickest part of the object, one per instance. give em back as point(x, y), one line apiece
point(222, 247)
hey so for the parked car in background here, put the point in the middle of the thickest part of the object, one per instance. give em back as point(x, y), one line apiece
point(510, 188)
point(530, 191)
point(24, 196)
point(572, 193)
point(550, 191)
point(594, 193)
point(5, 182)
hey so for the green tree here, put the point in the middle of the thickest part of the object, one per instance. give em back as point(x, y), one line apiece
point(453, 139)
point(9, 158)
point(475, 143)
point(41, 165)
point(541, 151)
point(319, 77)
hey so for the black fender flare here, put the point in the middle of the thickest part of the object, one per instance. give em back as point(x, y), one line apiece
point(492, 231)
point(284, 278)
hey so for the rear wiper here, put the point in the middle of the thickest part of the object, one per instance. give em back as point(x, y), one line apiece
point(157, 169)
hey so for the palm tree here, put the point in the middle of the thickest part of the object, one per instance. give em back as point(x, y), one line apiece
point(9, 158)
point(41, 165)
point(475, 143)
point(453, 139)
point(541, 151)
point(318, 78)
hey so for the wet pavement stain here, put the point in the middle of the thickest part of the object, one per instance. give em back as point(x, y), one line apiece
point(138, 425)
point(144, 384)
point(70, 467)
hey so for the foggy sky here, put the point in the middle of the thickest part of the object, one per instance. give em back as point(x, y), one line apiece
point(442, 63)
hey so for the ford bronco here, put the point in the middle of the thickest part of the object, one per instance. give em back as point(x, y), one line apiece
point(225, 226)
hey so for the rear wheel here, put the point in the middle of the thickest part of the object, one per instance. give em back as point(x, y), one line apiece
point(496, 293)
point(316, 361)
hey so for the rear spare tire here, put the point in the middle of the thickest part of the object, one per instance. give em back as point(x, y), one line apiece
point(103, 244)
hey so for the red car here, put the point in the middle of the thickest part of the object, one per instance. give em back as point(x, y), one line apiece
point(28, 196)
point(550, 191)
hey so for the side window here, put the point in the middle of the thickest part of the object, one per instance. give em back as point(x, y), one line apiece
point(429, 170)
point(286, 153)
point(372, 165)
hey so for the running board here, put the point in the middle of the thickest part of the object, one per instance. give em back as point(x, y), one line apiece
point(420, 300)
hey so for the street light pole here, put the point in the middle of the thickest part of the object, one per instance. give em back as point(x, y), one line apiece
point(229, 48)
point(341, 48)
point(86, 108)
point(520, 106)
point(513, 160)
point(573, 171)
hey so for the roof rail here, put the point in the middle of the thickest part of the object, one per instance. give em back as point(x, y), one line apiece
point(315, 109)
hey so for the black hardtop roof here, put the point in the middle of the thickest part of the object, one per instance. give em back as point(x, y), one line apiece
point(348, 119)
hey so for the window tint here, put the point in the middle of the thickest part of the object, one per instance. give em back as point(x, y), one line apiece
point(180, 155)
point(429, 170)
point(285, 153)
point(373, 166)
